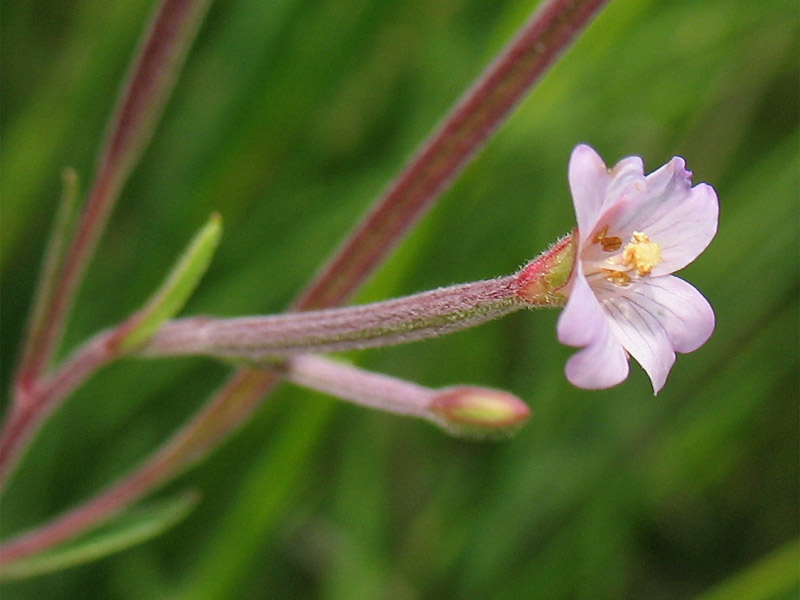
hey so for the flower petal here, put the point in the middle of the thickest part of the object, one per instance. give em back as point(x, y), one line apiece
point(602, 363)
point(682, 219)
point(688, 230)
point(588, 182)
point(637, 326)
point(627, 181)
point(683, 312)
point(582, 319)
point(626, 186)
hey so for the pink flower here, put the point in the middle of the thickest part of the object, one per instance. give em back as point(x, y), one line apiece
point(634, 232)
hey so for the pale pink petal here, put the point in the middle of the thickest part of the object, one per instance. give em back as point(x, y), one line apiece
point(637, 326)
point(626, 185)
point(582, 320)
point(602, 363)
point(665, 185)
point(688, 230)
point(682, 219)
point(627, 181)
point(588, 181)
point(683, 312)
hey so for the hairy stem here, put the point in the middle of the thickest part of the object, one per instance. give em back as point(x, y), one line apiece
point(401, 320)
point(425, 315)
point(359, 386)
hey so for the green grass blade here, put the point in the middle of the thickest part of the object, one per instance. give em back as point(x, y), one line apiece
point(774, 577)
point(131, 528)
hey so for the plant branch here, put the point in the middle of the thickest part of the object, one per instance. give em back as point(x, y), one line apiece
point(52, 267)
point(105, 347)
point(462, 410)
point(153, 72)
point(226, 411)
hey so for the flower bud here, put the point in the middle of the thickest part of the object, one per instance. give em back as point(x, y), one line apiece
point(480, 413)
point(541, 280)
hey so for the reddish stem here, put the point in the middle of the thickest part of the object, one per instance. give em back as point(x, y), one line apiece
point(227, 411)
point(38, 402)
point(458, 139)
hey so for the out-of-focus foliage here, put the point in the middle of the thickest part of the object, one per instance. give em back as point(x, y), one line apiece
point(290, 117)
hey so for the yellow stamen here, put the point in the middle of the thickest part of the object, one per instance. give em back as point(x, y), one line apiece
point(642, 254)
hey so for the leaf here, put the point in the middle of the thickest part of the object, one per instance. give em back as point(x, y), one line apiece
point(773, 577)
point(57, 247)
point(132, 527)
point(176, 289)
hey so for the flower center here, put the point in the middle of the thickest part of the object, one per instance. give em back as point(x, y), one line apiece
point(641, 255)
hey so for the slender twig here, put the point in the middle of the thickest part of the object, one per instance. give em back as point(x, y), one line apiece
point(26, 418)
point(50, 273)
point(223, 414)
point(549, 32)
point(141, 103)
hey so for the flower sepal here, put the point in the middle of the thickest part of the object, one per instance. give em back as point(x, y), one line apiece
point(544, 280)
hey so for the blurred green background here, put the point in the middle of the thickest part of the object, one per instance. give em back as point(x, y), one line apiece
point(290, 117)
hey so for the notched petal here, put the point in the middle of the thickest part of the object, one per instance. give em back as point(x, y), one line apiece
point(627, 180)
point(687, 230)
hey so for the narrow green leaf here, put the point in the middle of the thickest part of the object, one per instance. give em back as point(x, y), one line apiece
point(772, 578)
point(176, 289)
point(63, 227)
point(128, 529)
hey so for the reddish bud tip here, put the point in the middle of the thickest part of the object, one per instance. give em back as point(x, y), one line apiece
point(479, 412)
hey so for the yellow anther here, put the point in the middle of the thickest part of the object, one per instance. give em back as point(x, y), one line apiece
point(609, 243)
point(618, 277)
point(642, 254)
